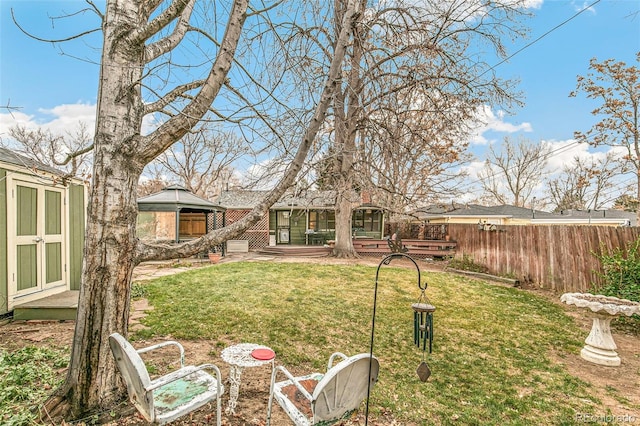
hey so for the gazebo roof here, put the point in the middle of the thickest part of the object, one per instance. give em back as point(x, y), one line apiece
point(176, 198)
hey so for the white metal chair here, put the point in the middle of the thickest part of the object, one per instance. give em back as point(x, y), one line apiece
point(324, 398)
point(166, 398)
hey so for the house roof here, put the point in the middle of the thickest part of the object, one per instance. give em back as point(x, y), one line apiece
point(599, 215)
point(475, 210)
point(308, 199)
point(11, 157)
point(247, 199)
point(240, 199)
point(175, 198)
point(536, 216)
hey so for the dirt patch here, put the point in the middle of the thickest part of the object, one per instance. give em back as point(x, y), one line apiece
point(616, 387)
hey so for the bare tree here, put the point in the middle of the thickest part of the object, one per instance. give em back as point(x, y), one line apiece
point(411, 82)
point(136, 62)
point(510, 175)
point(201, 161)
point(584, 184)
point(626, 203)
point(411, 153)
point(70, 152)
point(151, 185)
point(617, 87)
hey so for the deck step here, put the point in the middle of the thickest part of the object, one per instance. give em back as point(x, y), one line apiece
point(296, 251)
point(57, 307)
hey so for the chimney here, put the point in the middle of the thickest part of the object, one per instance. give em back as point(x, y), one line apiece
point(365, 197)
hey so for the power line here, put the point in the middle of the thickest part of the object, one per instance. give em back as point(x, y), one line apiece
point(526, 46)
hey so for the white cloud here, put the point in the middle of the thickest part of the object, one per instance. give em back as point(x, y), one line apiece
point(59, 120)
point(580, 6)
point(563, 153)
point(261, 176)
point(533, 4)
point(473, 168)
point(62, 119)
point(488, 121)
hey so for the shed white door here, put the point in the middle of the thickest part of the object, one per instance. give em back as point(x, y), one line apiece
point(39, 228)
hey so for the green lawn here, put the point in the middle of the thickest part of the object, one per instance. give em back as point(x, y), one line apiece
point(493, 349)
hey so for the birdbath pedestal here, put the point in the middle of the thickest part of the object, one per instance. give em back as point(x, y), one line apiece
point(599, 346)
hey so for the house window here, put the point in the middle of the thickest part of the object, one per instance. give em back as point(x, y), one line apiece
point(366, 220)
point(322, 220)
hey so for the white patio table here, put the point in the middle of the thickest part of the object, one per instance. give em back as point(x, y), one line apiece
point(239, 357)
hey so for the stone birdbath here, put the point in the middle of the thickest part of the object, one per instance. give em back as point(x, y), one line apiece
point(599, 346)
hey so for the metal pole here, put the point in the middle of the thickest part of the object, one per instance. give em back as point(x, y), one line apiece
point(385, 261)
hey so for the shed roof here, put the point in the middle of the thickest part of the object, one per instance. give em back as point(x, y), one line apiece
point(175, 198)
point(11, 157)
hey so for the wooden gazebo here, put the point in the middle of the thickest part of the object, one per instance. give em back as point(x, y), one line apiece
point(194, 216)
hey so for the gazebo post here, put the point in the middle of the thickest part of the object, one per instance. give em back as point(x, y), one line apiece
point(178, 225)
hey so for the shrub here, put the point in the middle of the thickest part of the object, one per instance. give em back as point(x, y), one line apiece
point(467, 264)
point(621, 276)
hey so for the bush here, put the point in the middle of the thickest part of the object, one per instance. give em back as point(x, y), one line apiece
point(621, 276)
point(467, 264)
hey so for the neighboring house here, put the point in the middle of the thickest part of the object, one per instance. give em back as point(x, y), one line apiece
point(512, 215)
point(595, 217)
point(42, 224)
point(304, 219)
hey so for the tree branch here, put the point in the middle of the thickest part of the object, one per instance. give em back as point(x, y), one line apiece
point(176, 93)
point(28, 34)
point(159, 252)
point(175, 9)
point(167, 44)
point(176, 127)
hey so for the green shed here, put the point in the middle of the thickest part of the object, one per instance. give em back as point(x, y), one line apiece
point(42, 224)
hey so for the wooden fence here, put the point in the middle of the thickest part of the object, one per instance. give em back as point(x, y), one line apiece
point(557, 258)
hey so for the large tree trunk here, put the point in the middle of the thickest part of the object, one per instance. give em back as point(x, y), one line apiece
point(110, 244)
point(342, 181)
point(344, 244)
point(103, 306)
point(345, 141)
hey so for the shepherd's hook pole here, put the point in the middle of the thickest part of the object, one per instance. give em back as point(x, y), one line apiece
point(385, 261)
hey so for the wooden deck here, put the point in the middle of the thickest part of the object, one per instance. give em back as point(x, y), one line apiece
point(61, 306)
point(296, 251)
point(421, 249)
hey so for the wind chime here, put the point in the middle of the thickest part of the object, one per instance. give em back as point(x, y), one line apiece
point(423, 330)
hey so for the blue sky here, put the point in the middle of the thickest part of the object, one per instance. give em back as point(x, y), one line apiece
point(548, 68)
point(56, 91)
